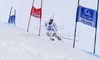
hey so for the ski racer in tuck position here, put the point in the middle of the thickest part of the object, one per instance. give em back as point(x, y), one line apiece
point(51, 29)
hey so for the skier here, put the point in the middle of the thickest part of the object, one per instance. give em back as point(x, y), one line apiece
point(51, 29)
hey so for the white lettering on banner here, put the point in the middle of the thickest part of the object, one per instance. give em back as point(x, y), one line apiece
point(38, 12)
point(87, 12)
point(87, 15)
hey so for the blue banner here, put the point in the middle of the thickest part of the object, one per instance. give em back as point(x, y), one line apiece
point(87, 16)
point(12, 19)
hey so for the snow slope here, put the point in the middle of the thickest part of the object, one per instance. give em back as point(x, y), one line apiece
point(16, 44)
point(65, 15)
